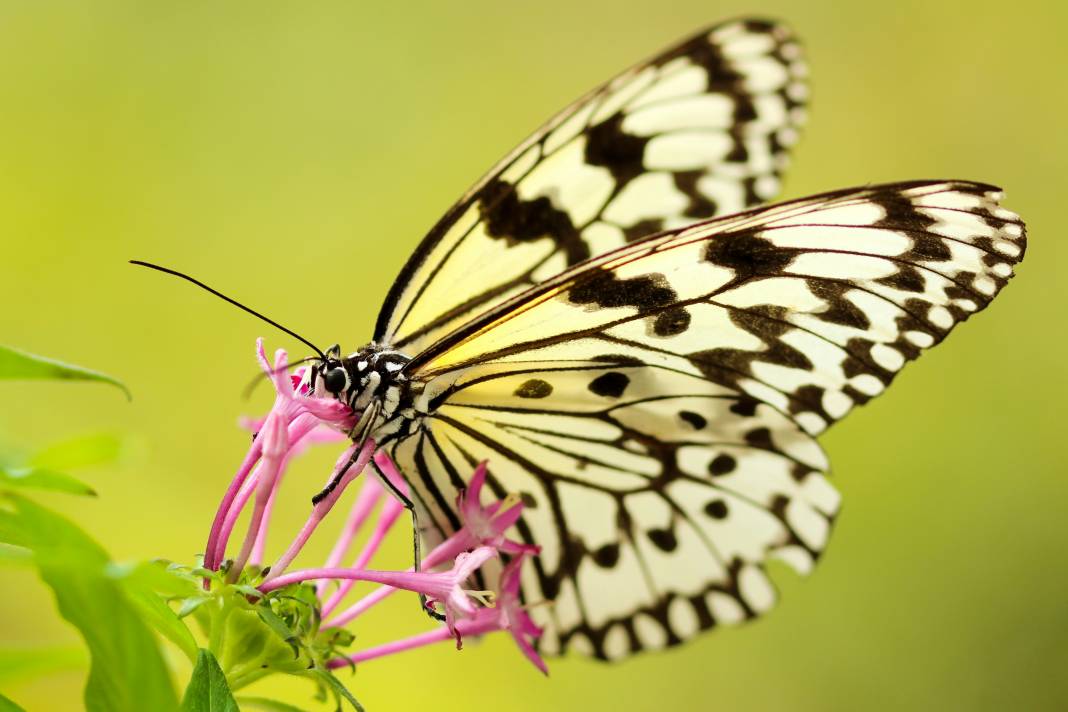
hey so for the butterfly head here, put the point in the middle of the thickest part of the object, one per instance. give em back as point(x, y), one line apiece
point(331, 372)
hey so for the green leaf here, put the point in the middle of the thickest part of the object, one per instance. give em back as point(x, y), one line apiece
point(7, 705)
point(127, 671)
point(247, 590)
point(208, 690)
point(262, 703)
point(15, 555)
point(22, 365)
point(96, 449)
point(146, 584)
point(334, 685)
point(18, 663)
point(273, 621)
point(161, 617)
point(191, 604)
point(43, 479)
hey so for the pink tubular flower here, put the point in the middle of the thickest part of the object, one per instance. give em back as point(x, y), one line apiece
point(300, 418)
point(513, 617)
point(507, 614)
point(485, 525)
point(482, 526)
point(292, 417)
point(444, 587)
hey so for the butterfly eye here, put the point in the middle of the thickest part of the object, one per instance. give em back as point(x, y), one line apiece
point(336, 380)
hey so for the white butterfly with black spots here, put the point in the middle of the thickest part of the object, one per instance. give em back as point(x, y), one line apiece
point(645, 358)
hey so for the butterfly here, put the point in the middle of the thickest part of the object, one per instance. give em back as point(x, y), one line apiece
point(645, 355)
point(646, 373)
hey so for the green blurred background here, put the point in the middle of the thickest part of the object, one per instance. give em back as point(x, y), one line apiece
point(293, 154)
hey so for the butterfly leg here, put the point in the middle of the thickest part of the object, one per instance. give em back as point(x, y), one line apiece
point(359, 435)
point(416, 547)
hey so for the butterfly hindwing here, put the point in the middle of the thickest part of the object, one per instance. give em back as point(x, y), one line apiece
point(700, 130)
point(655, 495)
point(656, 406)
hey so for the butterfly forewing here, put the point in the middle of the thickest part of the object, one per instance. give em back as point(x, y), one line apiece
point(656, 406)
point(698, 131)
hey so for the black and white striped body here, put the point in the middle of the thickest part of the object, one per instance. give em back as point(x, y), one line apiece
point(372, 382)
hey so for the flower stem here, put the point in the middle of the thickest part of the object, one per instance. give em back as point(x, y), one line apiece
point(391, 510)
point(480, 626)
point(365, 503)
point(351, 467)
point(212, 558)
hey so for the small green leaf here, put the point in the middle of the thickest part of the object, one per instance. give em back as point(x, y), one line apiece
point(208, 690)
point(43, 479)
point(7, 705)
point(273, 621)
point(247, 590)
point(334, 685)
point(21, 365)
point(82, 451)
point(262, 703)
point(191, 604)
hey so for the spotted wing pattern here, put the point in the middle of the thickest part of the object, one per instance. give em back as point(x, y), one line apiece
point(656, 407)
point(698, 131)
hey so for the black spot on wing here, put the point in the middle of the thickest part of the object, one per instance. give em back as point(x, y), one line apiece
point(509, 218)
point(722, 465)
point(694, 420)
point(610, 385)
point(671, 322)
point(663, 539)
point(700, 206)
point(767, 322)
point(716, 509)
point(761, 438)
point(840, 310)
point(619, 359)
point(747, 254)
point(609, 146)
point(906, 278)
point(607, 556)
point(604, 289)
point(745, 406)
point(534, 388)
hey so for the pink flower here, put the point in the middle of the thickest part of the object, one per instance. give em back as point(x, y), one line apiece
point(292, 418)
point(508, 614)
point(515, 617)
point(444, 587)
point(482, 525)
point(299, 418)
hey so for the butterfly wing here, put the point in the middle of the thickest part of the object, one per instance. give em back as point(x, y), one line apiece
point(656, 406)
point(700, 130)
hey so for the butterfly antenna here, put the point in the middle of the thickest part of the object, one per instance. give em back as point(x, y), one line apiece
point(236, 303)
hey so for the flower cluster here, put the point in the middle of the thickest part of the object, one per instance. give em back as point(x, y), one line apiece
point(300, 418)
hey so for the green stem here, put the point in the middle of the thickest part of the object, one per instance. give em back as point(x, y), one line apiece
point(217, 637)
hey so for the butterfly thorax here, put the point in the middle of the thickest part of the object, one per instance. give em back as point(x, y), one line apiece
point(371, 381)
